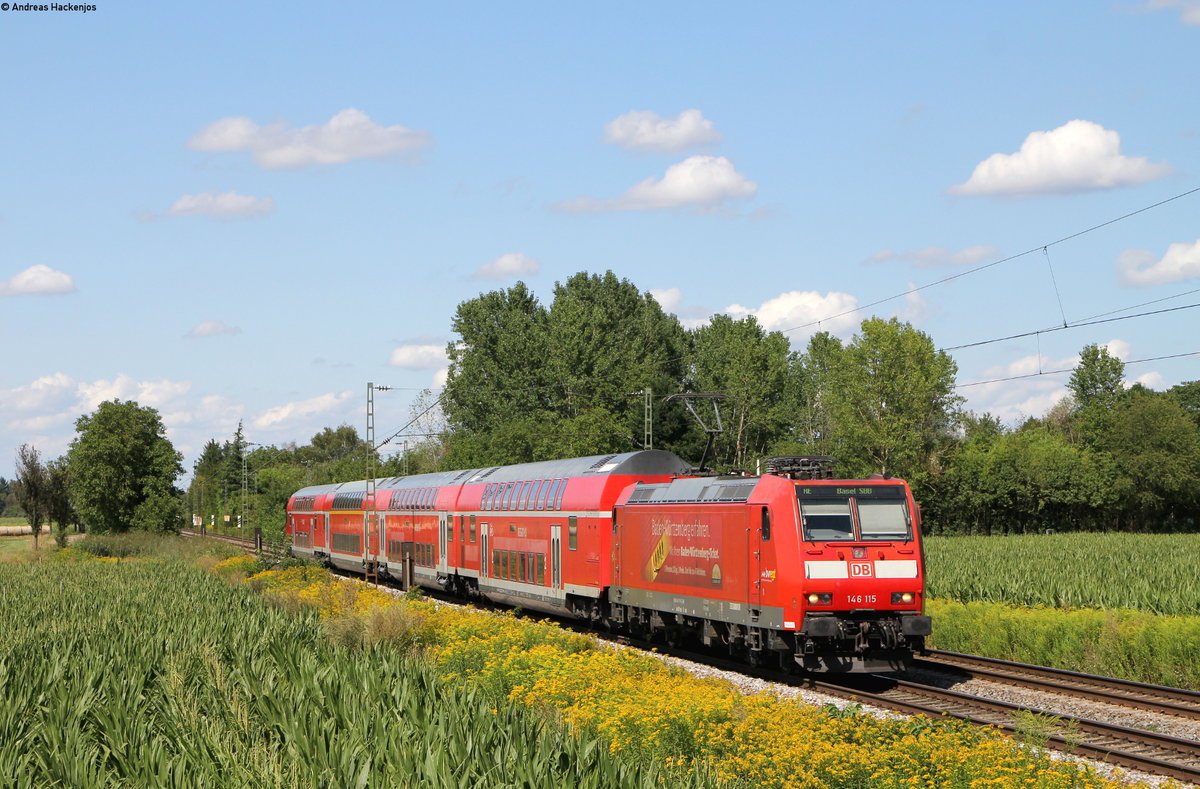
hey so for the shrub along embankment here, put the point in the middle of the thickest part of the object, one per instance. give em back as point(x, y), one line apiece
point(1136, 645)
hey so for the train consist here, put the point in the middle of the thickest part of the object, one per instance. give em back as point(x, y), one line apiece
point(789, 568)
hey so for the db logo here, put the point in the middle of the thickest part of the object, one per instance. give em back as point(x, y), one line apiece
point(861, 570)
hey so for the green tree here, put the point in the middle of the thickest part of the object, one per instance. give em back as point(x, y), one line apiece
point(750, 367)
point(1187, 394)
point(5, 489)
point(811, 398)
point(526, 383)
point(608, 342)
point(1028, 480)
point(1096, 380)
point(122, 469)
point(58, 499)
point(1155, 450)
point(497, 364)
point(30, 487)
point(892, 402)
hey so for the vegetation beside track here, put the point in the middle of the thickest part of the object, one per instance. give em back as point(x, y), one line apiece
point(1117, 604)
point(1135, 645)
point(649, 713)
point(154, 673)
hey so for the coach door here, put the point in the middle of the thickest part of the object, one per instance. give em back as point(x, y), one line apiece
point(556, 557)
point(484, 555)
point(443, 543)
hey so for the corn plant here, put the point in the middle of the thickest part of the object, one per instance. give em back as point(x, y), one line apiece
point(157, 674)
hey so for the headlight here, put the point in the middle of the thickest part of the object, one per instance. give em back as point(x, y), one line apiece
point(824, 598)
point(902, 598)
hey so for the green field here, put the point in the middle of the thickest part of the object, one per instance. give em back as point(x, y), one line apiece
point(7, 521)
point(1145, 572)
point(151, 673)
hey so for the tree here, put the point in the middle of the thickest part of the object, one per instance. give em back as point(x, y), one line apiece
point(122, 469)
point(892, 401)
point(526, 383)
point(608, 343)
point(5, 489)
point(30, 487)
point(1155, 449)
point(1096, 380)
point(1029, 480)
point(58, 499)
point(1187, 394)
point(750, 367)
point(496, 365)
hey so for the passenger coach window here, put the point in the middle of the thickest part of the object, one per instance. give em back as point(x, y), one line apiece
point(883, 520)
point(827, 519)
point(572, 533)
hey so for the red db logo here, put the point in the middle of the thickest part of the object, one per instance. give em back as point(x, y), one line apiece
point(861, 570)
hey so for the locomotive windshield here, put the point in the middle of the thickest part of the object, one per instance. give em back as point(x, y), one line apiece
point(831, 513)
point(827, 520)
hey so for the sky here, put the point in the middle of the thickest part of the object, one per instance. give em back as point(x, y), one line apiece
point(248, 212)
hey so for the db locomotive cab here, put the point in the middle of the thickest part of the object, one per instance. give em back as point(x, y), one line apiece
point(862, 575)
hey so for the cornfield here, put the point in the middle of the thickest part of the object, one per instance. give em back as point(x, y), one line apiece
point(1148, 572)
point(148, 673)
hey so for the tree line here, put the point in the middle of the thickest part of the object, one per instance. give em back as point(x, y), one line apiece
point(531, 382)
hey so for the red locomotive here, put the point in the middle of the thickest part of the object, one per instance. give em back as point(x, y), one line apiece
point(790, 566)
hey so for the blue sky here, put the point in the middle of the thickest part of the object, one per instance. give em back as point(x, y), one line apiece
point(233, 212)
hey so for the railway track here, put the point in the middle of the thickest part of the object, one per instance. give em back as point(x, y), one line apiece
point(1120, 692)
point(1137, 749)
point(247, 543)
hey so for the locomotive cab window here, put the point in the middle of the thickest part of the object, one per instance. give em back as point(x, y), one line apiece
point(883, 520)
point(827, 519)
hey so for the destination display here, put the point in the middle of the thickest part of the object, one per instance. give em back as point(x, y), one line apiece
point(847, 491)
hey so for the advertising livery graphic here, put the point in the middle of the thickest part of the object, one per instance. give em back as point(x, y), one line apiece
point(686, 554)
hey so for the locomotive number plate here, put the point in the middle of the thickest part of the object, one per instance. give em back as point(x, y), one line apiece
point(862, 598)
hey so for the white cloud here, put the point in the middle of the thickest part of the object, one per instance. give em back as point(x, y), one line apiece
point(439, 378)
point(211, 328)
point(668, 298)
point(49, 391)
point(221, 204)
point(37, 279)
point(146, 393)
point(348, 135)
point(1119, 349)
point(1138, 267)
point(933, 257)
point(789, 311)
point(642, 130)
point(1078, 156)
point(303, 408)
point(1152, 380)
point(514, 264)
point(917, 308)
point(1189, 10)
point(702, 183)
point(416, 356)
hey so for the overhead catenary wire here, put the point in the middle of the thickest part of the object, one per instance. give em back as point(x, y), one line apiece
point(994, 263)
point(1072, 369)
point(1090, 321)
